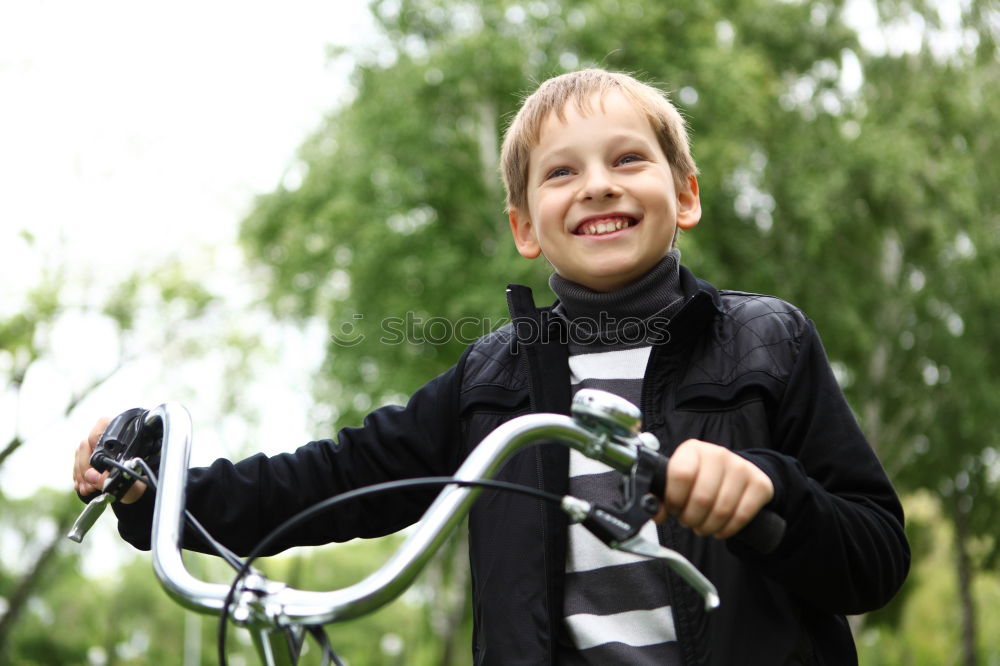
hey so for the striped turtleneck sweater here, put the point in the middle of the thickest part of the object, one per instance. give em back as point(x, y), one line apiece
point(616, 605)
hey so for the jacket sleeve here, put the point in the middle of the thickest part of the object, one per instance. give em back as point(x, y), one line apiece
point(241, 503)
point(844, 549)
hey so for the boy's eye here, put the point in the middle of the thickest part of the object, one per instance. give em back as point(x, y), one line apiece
point(558, 172)
point(629, 159)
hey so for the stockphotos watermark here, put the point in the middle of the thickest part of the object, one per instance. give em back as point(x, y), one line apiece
point(414, 329)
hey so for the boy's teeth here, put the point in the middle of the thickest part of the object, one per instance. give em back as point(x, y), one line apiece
point(606, 227)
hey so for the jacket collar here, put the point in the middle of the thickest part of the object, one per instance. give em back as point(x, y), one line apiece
point(702, 304)
point(537, 326)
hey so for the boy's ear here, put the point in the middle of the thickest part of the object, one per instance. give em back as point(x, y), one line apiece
point(524, 234)
point(688, 205)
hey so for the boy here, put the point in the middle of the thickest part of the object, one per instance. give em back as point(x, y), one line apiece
point(736, 386)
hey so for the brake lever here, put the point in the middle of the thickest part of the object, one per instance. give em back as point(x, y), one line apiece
point(620, 528)
point(680, 564)
point(96, 504)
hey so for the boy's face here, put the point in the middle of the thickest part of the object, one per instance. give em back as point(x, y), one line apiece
point(602, 204)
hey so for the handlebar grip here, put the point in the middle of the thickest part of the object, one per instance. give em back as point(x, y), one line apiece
point(117, 439)
point(87, 499)
point(762, 534)
point(658, 484)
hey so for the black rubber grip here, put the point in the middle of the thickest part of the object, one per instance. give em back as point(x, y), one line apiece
point(87, 499)
point(658, 484)
point(762, 534)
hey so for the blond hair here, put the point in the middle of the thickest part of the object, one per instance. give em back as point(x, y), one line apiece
point(553, 95)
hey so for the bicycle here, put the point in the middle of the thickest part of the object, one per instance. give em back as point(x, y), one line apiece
point(603, 426)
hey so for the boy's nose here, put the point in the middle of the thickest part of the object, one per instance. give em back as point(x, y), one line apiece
point(599, 185)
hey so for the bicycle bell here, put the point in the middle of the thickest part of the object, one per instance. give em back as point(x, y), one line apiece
point(607, 413)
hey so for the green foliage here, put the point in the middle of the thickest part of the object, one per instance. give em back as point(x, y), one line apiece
point(873, 204)
point(125, 617)
point(31, 525)
point(925, 630)
point(49, 612)
point(22, 333)
point(874, 207)
point(857, 183)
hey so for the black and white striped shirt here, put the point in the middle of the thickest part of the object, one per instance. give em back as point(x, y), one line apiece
point(616, 604)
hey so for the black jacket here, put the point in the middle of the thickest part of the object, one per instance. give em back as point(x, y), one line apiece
point(740, 370)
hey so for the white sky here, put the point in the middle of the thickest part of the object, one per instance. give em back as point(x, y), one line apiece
point(131, 130)
point(154, 117)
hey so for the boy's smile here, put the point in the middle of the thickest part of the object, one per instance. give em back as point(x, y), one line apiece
point(603, 205)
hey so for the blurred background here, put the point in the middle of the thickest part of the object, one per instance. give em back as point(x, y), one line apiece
point(195, 199)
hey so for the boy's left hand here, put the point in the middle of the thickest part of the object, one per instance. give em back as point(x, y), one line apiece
point(712, 490)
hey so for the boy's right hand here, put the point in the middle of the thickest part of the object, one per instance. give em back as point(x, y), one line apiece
point(713, 490)
point(89, 481)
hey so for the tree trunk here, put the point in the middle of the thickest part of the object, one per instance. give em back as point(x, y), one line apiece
point(964, 566)
point(18, 599)
point(13, 445)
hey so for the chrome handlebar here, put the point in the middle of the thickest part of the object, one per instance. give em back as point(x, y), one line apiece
point(395, 576)
point(603, 427)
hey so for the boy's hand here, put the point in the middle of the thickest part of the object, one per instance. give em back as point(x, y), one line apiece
point(712, 490)
point(89, 481)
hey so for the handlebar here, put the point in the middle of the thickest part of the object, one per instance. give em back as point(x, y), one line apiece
point(398, 572)
point(603, 427)
point(379, 588)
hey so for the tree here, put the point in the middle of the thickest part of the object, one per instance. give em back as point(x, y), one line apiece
point(835, 172)
point(901, 205)
point(144, 312)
